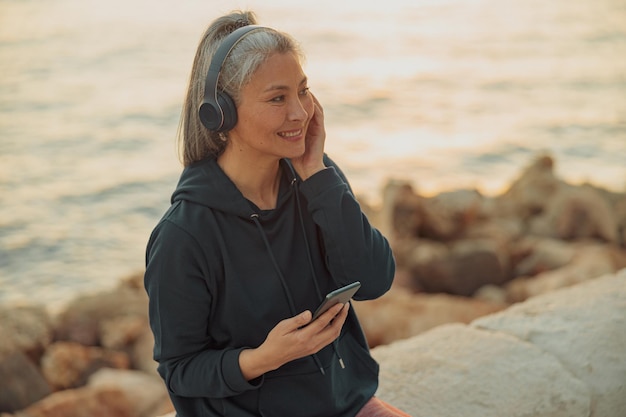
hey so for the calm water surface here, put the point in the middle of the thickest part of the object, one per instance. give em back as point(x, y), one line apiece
point(444, 93)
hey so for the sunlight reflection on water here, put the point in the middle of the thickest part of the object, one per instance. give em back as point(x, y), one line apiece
point(445, 94)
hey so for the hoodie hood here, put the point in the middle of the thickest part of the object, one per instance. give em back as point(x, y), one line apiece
point(205, 183)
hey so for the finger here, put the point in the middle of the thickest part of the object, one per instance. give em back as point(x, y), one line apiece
point(291, 324)
point(303, 318)
point(324, 320)
point(343, 314)
point(320, 110)
point(333, 329)
point(317, 104)
point(317, 325)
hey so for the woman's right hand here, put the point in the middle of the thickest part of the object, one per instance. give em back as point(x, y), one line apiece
point(292, 339)
point(312, 161)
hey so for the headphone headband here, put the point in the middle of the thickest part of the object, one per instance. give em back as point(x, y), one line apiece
point(217, 111)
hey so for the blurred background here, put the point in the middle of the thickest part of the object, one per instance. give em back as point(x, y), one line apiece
point(447, 94)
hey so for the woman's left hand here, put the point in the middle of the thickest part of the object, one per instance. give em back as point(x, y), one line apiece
point(312, 159)
point(293, 338)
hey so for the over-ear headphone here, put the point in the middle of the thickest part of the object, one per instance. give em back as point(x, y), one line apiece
point(218, 112)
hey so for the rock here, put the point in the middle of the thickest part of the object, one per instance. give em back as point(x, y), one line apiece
point(82, 402)
point(620, 215)
point(491, 294)
point(462, 269)
point(589, 260)
point(25, 328)
point(435, 223)
point(166, 409)
point(22, 382)
point(529, 194)
point(426, 262)
point(500, 230)
point(448, 214)
point(457, 370)
point(68, 364)
point(80, 321)
point(121, 332)
point(577, 213)
point(401, 212)
point(133, 281)
point(584, 328)
point(407, 215)
point(479, 262)
point(400, 314)
point(145, 393)
point(413, 251)
point(535, 255)
point(141, 353)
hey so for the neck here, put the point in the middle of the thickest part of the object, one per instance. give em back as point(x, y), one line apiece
point(257, 180)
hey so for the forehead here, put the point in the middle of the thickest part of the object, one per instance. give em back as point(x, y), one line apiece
point(282, 69)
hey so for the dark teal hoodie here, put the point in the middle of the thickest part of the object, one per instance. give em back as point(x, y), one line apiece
point(220, 274)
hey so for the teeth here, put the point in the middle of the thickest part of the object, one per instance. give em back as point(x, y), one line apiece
point(290, 134)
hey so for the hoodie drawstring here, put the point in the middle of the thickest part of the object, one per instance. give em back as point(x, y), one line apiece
point(255, 218)
point(308, 253)
point(292, 307)
point(306, 241)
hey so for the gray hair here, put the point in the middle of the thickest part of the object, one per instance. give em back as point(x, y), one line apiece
point(195, 141)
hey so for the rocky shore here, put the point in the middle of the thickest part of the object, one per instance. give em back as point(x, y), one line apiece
point(560, 354)
point(506, 305)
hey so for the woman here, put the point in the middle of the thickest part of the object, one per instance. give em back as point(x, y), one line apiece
point(262, 225)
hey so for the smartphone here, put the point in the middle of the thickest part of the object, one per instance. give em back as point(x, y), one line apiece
point(341, 295)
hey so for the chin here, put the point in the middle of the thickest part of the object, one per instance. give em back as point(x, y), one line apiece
point(296, 152)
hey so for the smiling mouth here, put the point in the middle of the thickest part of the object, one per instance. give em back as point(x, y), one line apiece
point(291, 134)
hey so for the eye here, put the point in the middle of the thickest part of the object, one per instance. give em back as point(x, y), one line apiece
point(304, 91)
point(277, 99)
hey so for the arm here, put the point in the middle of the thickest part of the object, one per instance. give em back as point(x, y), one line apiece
point(354, 249)
point(179, 307)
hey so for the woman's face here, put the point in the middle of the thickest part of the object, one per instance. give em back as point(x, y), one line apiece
point(274, 110)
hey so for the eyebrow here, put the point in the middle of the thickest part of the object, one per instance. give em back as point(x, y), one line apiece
point(284, 87)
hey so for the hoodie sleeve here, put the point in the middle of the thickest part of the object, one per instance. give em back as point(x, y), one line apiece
point(354, 249)
point(179, 296)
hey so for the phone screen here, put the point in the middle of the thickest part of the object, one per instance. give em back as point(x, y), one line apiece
point(341, 295)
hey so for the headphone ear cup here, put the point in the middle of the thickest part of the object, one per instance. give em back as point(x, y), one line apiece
point(210, 115)
point(218, 112)
point(229, 110)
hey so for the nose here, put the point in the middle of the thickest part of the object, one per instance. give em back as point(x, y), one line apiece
point(298, 108)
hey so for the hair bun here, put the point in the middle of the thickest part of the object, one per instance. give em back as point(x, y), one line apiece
point(239, 23)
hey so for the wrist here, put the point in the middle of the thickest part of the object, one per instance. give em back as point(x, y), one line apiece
point(312, 171)
point(254, 363)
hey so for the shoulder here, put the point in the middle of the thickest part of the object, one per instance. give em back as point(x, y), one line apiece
point(183, 220)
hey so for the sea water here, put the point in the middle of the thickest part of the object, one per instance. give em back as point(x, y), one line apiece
point(443, 93)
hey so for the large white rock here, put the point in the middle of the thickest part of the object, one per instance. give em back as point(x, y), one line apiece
point(457, 370)
point(584, 328)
